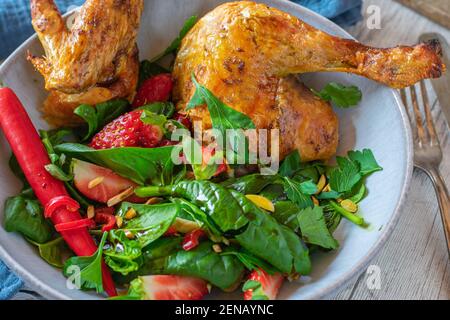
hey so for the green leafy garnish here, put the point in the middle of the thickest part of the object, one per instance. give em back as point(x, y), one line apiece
point(342, 96)
point(345, 176)
point(175, 45)
point(52, 252)
point(314, 229)
point(149, 69)
point(98, 116)
point(366, 161)
point(58, 173)
point(88, 270)
point(162, 108)
point(295, 192)
point(123, 254)
point(290, 164)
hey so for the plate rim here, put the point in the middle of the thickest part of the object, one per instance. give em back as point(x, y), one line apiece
point(49, 292)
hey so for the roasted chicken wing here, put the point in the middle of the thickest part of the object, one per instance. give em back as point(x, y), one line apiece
point(245, 53)
point(92, 61)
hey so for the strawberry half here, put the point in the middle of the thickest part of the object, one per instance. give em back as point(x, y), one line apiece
point(170, 287)
point(127, 131)
point(154, 89)
point(261, 285)
point(98, 183)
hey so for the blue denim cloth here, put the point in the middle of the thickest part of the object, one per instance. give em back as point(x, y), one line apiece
point(15, 27)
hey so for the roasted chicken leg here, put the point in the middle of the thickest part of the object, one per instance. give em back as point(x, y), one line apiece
point(246, 54)
point(92, 61)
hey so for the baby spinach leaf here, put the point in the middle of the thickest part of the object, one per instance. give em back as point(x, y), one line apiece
point(223, 117)
point(137, 164)
point(250, 184)
point(211, 198)
point(25, 216)
point(314, 229)
point(58, 173)
point(166, 256)
point(175, 45)
point(286, 213)
point(152, 221)
point(53, 251)
point(366, 161)
point(89, 268)
point(250, 261)
point(123, 255)
point(290, 164)
point(345, 176)
point(342, 96)
point(98, 116)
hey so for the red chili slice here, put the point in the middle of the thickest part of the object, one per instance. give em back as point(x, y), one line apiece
point(72, 225)
point(191, 239)
point(58, 202)
point(108, 220)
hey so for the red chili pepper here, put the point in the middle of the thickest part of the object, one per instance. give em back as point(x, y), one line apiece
point(107, 219)
point(154, 89)
point(191, 239)
point(32, 157)
point(172, 231)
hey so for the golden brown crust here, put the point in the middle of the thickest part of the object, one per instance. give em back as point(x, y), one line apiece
point(241, 51)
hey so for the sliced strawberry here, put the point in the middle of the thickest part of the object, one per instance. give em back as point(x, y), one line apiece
point(183, 119)
point(107, 185)
point(206, 156)
point(268, 285)
point(128, 131)
point(154, 89)
point(170, 287)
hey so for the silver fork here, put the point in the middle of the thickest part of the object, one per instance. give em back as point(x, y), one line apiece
point(427, 150)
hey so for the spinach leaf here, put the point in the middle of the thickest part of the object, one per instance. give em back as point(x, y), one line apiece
point(328, 195)
point(137, 164)
point(152, 221)
point(211, 198)
point(342, 96)
point(332, 219)
point(192, 151)
point(223, 117)
point(345, 176)
point(53, 251)
point(25, 216)
point(166, 109)
point(314, 229)
point(148, 69)
point(88, 270)
point(290, 164)
point(100, 115)
point(366, 161)
point(250, 261)
point(123, 254)
point(275, 243)
point(286, 213)
point(294, 192)
point(359, 195)
point(175, 45)
point(250, 184)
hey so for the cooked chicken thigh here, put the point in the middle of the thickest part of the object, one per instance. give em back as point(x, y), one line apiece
point(245, 53)
point(93, 61)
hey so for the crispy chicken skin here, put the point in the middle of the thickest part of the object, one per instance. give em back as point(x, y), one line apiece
point(93, 61)
point(245, 52)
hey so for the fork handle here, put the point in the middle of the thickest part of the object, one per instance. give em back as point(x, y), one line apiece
point(443, 199)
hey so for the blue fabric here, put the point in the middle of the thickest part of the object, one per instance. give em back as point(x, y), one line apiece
point(9, 283)
point(15, 27)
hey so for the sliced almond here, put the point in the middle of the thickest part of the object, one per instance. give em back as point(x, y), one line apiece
point(90, 212)
point(131, 213)
point(184, 225)
point(129, 234)
point(261, 202)
point(120, 197)
point(95, 182)
point(315, 201)
point(349, 205)
point(327, 188)
point(119, 221)
point(321, 184)
point(217, 248)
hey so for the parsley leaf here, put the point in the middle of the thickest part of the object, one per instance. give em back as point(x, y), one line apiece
point(366, 161)
point(314, 228)
point(342, 96)
point(294, 193)
point(345, 176)
point(291, 164)
point(90, 268)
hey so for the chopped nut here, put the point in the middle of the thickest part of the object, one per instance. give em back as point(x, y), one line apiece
point(95, 182)
point(225, 241)
point(349, 205)
point(321, 184)
point(119, 221)
point(131, 213)
point(315, 201)
point(217, 248)
point(120, 197)
point(261, 202)
point(209, 287)
point(153, 200)
point(90, 212)
point(129, 234)
point(339, 200)
point(327, 188)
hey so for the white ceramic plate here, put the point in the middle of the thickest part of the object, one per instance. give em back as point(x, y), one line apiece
point(379, 123)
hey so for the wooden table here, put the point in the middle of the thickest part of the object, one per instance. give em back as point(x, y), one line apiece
point(414, 263)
